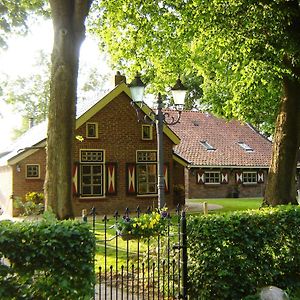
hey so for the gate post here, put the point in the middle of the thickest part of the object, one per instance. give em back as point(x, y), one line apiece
point(184, 256)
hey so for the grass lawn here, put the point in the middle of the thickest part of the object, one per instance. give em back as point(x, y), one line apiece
point(230, 204)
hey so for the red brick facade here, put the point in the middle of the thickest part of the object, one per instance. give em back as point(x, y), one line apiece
point(229, 189)
point(119, 136)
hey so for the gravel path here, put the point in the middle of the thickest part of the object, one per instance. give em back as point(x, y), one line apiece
point(199, 207)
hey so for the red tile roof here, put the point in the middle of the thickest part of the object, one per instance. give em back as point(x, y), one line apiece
point(223, 135)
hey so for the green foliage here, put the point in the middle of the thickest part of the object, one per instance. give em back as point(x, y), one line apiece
point(35, 197)
point(46, 260)
point(15, 15)
point(233, 255)
point(237, 47)
point(32, 204)
point(146, 225)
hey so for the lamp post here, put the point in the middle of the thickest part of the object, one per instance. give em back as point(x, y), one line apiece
point(137, 88)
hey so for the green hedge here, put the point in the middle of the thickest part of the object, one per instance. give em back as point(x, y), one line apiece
point(48, 260)
point(233, 255)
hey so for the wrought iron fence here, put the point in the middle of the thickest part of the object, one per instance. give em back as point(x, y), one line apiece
point(140, 266)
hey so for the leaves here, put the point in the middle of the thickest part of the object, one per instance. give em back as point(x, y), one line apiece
point(48, 259)
point(237, 47)
point(232, 255)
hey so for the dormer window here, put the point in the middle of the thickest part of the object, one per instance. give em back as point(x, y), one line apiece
point(245, 147)
point(207, 146)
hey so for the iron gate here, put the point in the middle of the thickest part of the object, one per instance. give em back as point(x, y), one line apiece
point(144, 268)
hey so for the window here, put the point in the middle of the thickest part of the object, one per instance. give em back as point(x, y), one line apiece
point(207, 146)
point(147, 132)
point(92, 130)
point(32, 171)
point(146, 172)
point(91, 173)
point(249, 177)
point(245, 147)
point(211, 177)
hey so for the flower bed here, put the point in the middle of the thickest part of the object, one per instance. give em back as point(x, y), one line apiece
point(144, 226)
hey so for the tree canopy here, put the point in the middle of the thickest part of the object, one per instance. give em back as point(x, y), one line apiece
point(14, 16)
point(247, 51)
point(238, 47)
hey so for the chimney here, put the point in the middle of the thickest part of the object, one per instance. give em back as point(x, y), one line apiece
point(119, 78)
point(30, 122)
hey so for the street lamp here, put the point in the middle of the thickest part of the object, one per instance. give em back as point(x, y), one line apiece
point(137, 88)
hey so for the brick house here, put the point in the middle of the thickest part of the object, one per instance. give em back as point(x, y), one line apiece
point(115, 165)
point(223, 158)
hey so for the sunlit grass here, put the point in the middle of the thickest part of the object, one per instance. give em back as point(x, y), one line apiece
point(231, 204)
point(116, 252)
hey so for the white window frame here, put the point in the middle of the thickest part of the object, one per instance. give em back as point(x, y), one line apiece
point(87, 130)
point(245, 146)
point(212, 180)
point(248, 173)
point(207, 146)
point(38, 171)
point(146, 160)
point(150, 127)
point(93, 158)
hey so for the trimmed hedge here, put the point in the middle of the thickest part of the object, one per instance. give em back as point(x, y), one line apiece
point(48, 260)
point(233, 255)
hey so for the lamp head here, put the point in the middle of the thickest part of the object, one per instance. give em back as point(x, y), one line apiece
point(179, 91)
point(137, 88)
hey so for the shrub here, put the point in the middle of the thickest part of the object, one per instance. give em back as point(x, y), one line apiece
point(232, 255)
point(144, 226)
point(32, 204)
point(47, 260)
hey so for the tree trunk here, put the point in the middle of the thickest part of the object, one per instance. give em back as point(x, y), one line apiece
point(68, 18)
point(281, 187)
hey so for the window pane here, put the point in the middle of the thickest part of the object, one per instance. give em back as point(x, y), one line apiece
point(32, 171)
point(86, 169)
point(97, 190)
point(250, 177)
point(92, 156)
point(147, 178)
point(97, 169)
point(86, 179)
point(86, 190)
point(92, 180)
point(212, 177)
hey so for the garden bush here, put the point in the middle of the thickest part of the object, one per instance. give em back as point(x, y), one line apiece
point(235, 254)
point(47, 259)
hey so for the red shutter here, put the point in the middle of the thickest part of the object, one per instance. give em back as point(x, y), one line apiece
point(75, 178)
point(238, 177)
point(111, 178)
point(166, 177)
point(224, 177)
point(260, 176)
point(200, 177)
point(131, 178)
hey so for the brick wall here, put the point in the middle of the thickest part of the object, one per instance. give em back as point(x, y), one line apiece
point(120, 135)
point(196, 190)
point(23, 185)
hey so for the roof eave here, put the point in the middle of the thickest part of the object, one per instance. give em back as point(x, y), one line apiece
point(229, 166)
point(26, 152)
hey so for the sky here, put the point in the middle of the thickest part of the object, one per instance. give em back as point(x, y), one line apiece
point(20, 57)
